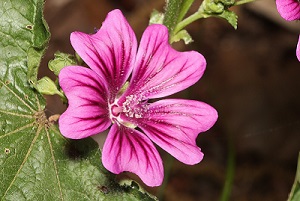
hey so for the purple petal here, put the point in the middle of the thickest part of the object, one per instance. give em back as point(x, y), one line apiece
point(159, 69)
point(298, 49)
point(110, 52)
point(127, 149)
point(87, 113)
point(289, 9)
point(174, 125)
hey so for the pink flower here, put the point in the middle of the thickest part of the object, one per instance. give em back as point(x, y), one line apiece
point(289, 9)
point(100, 98)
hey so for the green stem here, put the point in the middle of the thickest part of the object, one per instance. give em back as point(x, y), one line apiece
point(181, 25)
point(296, 182)
point(200, 14)
point(229, 172)
point(242, 2)
point(171, 14)
point(174, 13)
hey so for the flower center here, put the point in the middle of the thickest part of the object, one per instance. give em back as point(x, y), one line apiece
point(132, 107)
point(116, 110)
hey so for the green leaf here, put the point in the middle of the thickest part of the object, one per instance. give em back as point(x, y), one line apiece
point(230, 16)
point(34, 57)
point(219, 9)
point(39, 39)
point(46, 86)
point(36, 161)
point(182, 35)
point(60, 61)
point(156, 17)
point(295, 192)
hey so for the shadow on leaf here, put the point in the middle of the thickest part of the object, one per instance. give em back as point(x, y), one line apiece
point(80, 149)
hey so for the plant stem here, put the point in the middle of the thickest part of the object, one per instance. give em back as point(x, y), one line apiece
point(187, 21)
point(296, 182)
point(242, 2)
point(230, 169)
point(174, 13)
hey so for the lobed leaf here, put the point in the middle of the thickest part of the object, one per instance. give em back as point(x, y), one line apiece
point(36, 162)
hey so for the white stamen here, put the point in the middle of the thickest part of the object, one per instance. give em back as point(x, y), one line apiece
point(134, 107)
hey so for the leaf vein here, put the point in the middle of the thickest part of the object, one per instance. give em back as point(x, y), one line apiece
point(18, 97)
point(18, 129)
point(24, 161)
point(55, 165)
point(16, 114)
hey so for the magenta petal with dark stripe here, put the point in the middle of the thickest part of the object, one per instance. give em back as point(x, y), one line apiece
point(110, 52)
point(87, 113)
point(99, 97)
point(159, 69)
point(174, 125)
point(127, 149)
point(289, 9)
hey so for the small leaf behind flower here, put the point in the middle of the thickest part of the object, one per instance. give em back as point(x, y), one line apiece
point(60, 61)
point(46, 86)
point(182, 35)
point(156, 17)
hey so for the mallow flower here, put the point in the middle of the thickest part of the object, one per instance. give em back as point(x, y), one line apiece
point(290, 11)
point(115, 93)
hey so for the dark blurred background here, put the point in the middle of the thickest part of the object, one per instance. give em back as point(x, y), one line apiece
point(252, 79)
